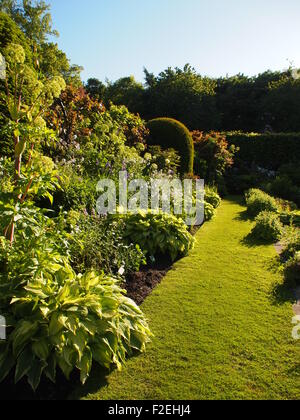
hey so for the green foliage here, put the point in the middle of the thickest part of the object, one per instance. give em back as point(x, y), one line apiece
point(269, 151)
point(96, 89)
point(10, 33)
point(164, 160)
point(291, 254)
point(133, 127)
point(213, 155)
point(212, 197)
point(283, 187)
point(181, 94)
point(58, 319)
point(33, 18)
point(209, 211)
point(98, 244)
point(290, 218)
point(258, 201)
point(268, 227)
point(125, 91)
point(158, 234)
point(170, 133)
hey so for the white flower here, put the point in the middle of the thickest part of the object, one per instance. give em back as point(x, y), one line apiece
point(121, 271)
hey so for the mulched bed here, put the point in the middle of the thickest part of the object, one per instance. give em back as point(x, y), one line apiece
point(140, 285)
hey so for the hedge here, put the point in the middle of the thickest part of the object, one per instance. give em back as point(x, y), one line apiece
point(169, 133)
point(269, 151)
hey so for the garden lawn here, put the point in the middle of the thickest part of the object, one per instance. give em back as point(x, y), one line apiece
point(219, 330)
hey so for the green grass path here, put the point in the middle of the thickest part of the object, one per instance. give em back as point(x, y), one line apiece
point(219, 332)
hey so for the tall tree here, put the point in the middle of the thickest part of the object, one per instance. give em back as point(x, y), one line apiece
point(33, 18)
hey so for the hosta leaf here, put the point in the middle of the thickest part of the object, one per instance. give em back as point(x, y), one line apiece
point(22, 334)
point(85, 365)
point(35, 373)
point(7, 362)
point(64, 366)
point(24, 364)
point(50, 370)
point(55, 325)
point(41, 349)
point(102, 354)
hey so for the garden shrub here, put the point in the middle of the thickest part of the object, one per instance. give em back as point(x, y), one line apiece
point(292, 171)
point(213, 155)
point(258, 201)
point(291, 254)
point(98, 244)
point(170, 133)
point(283, 187)
point(58, 319)
point(290, 218)
point(291, 241)
point(268, 227)
point(158, 234)
point(268, 150)
point(212, 197)
point(164, 160)
point(209, 211)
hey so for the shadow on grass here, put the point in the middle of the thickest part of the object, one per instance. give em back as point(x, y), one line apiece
point(251, 241)
point(243, 216)
point(96, 381)
point(282, 293)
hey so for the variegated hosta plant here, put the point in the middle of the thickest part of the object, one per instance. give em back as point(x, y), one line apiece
point(60, 319)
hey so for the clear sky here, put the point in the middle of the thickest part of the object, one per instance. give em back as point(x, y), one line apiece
point(116, 38)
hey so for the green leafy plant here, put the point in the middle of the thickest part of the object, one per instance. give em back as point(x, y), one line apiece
point(212, 197)
point(158, 234)
point(258, 201)
point(213, 155)
point(57, 318)
point(268, 227)
point(209, 211)
point(98, 244)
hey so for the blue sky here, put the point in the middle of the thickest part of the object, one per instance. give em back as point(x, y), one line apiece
point(116, 38)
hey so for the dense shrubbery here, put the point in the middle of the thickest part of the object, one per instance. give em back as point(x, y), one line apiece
point(58, 319)
point(98, 244)
point(268, 227)
point(213, 156)
point(158, 234)
point(270, 151)
point(291, 254)
point(212, 197)
point(258, 201)
point(170, 133)
point(209, 211)
point(60, 264)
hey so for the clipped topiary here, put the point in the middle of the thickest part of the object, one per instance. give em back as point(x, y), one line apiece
point(169, 133)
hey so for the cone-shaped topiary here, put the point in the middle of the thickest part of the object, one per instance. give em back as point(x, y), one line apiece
point(170, 133)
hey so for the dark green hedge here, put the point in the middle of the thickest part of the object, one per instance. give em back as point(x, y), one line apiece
point(267, 150)
point(169, 133)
